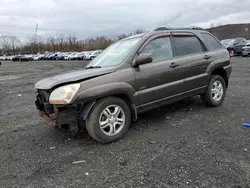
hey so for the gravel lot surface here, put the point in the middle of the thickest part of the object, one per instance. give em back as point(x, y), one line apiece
point(181, 145)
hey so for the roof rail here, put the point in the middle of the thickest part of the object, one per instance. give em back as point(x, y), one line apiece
point(179, 28)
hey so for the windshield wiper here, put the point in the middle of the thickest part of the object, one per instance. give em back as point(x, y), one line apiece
point(93, 67)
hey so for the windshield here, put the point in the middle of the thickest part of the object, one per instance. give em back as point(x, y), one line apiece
point(228, 41)
point(115, 54)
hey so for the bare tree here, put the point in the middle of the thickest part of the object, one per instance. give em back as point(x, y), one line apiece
point(52, 42)
point(10, 43)
point(60, 40)
point(72, 43)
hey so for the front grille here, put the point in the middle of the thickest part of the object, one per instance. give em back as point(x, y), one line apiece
point(42, 102)
point(39, 103)
point(44, 95)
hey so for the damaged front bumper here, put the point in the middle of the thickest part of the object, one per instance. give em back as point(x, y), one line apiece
point(62, 116)
point(47, 118)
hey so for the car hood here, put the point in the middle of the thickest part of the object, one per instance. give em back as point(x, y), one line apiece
point(227, 46)
point(50, 82)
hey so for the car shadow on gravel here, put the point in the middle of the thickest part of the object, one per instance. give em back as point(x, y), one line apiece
point(168, 111)
point(61, 135)
point(157, 115)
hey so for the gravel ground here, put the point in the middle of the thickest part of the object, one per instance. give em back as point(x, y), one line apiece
point(181, 145)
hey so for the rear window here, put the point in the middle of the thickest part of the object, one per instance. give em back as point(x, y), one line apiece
point(187, 45)
point(213, 43)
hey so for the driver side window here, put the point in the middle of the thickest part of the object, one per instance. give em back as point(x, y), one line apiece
point(160, 49)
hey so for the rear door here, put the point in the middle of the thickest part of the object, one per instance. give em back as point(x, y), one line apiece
point(193, 59)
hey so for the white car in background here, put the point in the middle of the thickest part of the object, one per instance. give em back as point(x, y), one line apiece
point(92, 54)
point(66, 55)
point(38, 57)
point(81, 55)
point(73, 56)
point(87, 55)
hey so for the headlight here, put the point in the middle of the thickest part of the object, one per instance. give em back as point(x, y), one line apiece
point(64, 94)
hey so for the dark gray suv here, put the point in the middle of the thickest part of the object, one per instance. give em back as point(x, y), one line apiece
point(135, 75)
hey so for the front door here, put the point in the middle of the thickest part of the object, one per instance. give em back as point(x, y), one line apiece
point(160, 80)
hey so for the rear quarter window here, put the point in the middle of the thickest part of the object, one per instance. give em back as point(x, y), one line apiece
point(211, 42)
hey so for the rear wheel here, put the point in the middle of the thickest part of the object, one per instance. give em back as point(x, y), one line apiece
point(215, 92)
point(109, 120)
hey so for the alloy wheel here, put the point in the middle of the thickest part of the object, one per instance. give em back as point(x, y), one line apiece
point(112, 120)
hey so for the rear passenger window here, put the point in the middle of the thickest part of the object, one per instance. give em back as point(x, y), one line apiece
point(187, 45)
point(160, 49)
point(237, 41)
point(212, 42)
point(242, 41)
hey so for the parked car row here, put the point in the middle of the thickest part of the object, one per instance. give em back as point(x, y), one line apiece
point(237, 46)
point(85, 55)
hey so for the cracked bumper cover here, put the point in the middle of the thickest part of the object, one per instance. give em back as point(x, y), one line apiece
point(57, 115)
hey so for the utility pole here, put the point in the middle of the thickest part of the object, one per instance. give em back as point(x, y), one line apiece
point(34, 50)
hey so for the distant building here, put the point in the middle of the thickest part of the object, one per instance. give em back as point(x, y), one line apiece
point(231, 31)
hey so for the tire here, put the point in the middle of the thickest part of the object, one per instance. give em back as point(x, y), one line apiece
point(210, 98)
point(97, 115)
point(231, 52)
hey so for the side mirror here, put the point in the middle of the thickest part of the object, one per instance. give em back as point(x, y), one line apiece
point(143, 59)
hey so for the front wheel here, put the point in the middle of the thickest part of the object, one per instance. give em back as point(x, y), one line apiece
point(215, 92)
point(109, 120)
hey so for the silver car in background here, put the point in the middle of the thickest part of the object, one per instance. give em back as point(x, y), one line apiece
point(246, 49)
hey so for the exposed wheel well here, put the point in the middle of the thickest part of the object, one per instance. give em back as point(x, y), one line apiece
point(222, 73)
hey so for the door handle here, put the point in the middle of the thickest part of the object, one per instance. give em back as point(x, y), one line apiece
point(173, 65)
point(207, 57)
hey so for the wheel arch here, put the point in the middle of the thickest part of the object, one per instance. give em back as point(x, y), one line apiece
point(221, 71)
point(218, 67)
point(88, 106)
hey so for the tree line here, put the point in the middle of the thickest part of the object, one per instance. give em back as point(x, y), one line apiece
point(12, 45)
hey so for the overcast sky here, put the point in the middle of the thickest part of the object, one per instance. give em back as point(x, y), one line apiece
point(88, 18)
